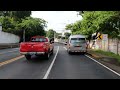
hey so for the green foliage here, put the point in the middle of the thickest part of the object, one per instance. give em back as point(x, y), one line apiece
point(57, 34)
point(17, 21)
point(18, 15)
point(5, 13)
point(97, 21)
point(8, 24)
point(67, 35)
point(110, 54)
point(33, 26)
point(59, 37)
point(50, 33)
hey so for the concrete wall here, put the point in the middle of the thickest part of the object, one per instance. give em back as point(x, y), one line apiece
point(7, 37)
point(111, 45)
point(114, 46)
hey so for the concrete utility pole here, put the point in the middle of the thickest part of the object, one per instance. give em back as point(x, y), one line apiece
point(54, 35)
point(117, 38)
point(24, 35)
point(0, 26)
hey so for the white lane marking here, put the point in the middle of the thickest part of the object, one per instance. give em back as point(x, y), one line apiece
point(65, 48)
point(50, 67)
point(9, 51)
point(103, 65)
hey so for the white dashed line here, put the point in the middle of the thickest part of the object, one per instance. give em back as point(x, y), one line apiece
point(50, 67)
point(65, 48)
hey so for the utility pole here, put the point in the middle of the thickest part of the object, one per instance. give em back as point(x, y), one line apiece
point(0, 26)
point(117, 38)
point(24, 35)
point(54, 35)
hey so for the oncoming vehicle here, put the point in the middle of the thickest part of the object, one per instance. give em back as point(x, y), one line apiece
point(38, 45)
point(77, 43)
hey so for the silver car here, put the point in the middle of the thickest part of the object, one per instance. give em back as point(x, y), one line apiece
point(77, 43)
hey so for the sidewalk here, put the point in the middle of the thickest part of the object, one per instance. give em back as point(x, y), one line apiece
point(106, 60)
point(10, 45)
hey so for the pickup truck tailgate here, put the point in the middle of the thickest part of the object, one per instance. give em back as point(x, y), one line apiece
point(32, 47)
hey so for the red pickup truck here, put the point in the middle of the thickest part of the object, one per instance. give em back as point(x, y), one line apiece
point(38, 45)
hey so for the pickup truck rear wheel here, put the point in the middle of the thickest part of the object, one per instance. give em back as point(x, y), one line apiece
point(28, 57)
point(47, 55)
point(52, 51)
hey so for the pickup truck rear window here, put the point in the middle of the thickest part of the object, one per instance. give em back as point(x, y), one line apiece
point(38, 40)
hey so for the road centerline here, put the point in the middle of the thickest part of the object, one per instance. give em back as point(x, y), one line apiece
point(11, 60)
point(51, 65)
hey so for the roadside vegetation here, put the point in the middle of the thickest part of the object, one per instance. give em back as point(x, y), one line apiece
point(104, 22)
point(97, 21)
point(110, 54)
point(17, 21)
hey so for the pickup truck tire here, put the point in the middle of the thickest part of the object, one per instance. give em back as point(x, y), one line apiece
point(52, 52)
point(28, 57)
point(47, 55)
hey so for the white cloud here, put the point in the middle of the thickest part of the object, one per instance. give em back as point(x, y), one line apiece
point(57, 19)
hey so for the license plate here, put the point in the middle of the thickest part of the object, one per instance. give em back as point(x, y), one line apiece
point(32, 53)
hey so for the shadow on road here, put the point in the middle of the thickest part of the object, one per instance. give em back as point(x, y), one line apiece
point(39, 59)
point(77, 53)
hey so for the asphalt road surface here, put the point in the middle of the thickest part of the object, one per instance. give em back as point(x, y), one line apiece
point(60, 65)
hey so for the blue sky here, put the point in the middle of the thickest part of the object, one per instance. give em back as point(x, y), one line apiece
point(57, 20)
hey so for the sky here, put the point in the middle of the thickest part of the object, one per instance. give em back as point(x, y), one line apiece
point(57, 20)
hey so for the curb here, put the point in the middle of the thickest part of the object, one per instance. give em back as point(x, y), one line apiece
point(94, 55)
point(5, 46)
point(109, 60)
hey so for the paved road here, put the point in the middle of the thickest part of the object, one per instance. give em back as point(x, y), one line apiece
point(65, 66)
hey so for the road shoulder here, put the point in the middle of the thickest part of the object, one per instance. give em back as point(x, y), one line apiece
point(107, 61)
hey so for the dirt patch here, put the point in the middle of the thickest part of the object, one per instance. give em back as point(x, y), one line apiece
point(111, 61)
